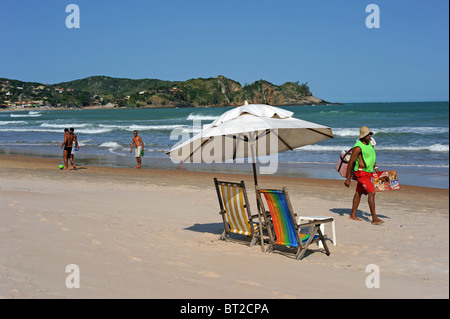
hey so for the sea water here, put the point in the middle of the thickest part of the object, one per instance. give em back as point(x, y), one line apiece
point(411, 137)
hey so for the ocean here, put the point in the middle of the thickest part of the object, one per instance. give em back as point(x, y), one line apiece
point(411, 137)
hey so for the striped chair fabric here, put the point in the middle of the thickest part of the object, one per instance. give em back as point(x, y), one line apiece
point(284, 224)
point(235, 211)
point(235, 208)
point(280, 213)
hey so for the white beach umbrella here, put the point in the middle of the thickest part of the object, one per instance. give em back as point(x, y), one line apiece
point(249, 131)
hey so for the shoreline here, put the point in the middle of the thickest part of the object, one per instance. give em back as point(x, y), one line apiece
point(154, 233)
point(316, 171)
point(51, 108)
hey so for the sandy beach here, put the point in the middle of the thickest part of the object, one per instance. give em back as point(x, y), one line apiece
point(155, 234)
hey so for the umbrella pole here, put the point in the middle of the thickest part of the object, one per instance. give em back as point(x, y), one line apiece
point(255, 178)
point(252, 150)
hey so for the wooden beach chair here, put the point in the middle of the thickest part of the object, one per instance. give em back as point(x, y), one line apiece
point(283, 228)
point(236, 213)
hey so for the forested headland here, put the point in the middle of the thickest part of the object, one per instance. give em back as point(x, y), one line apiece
point(123, 92)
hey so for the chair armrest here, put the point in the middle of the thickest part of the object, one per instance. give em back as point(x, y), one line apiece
point(315, 222)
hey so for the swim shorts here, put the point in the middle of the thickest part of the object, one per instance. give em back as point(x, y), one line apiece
point(138, 150)
point(365, 184)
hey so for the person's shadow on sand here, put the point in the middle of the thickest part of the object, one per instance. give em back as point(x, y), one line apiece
point(366, 216)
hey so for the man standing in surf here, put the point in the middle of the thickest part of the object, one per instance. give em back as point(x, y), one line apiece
point(137, 141)
point(67, 144)
point(363, 157)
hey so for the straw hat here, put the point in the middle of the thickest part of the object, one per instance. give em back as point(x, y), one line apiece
point(364, 131)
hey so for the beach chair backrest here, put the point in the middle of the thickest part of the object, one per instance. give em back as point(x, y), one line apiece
point(282, 219)
point(233, 198)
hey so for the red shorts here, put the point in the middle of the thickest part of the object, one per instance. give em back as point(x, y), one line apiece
point(365, 184)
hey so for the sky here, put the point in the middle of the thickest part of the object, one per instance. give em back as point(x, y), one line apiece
point(326, 44)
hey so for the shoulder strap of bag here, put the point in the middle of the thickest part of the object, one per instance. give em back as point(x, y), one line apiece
point(343, 158)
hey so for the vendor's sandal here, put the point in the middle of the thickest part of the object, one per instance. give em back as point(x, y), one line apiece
point(378, 222)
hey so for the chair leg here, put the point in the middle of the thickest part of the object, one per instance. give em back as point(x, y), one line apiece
point(301, 251)
point(322, 229)
point(222, 237)
point(322, 239)
point(269, 249)
point(253, 241)
point(334, 232)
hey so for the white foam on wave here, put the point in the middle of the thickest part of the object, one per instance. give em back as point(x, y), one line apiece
point(30, 130)
point(155, 127)
point(431, 148)
point(380, 164)
point(193, 117)
point(113, 148)
point(12, 122)
point(110, 145)
point(420, 165)
point(30, 114)
point(93, 130)
point(324, 148)
point(142, 127)
point(346, 132)
point(54, 125)
point(54, 130)
point(113, 151)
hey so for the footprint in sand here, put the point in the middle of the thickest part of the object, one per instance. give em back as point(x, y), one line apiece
point(95, 242)
point(13, 203)
point(277, 294)
point(249, 283)
point(134, 258)
point(42, 219)
point(176, 263)
point(62, 228)
point(87, 234)
point(209, 274)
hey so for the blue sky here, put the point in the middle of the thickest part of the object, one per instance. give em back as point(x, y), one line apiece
point(325, 43)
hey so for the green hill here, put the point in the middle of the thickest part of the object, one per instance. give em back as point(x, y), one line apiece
point(122, 92)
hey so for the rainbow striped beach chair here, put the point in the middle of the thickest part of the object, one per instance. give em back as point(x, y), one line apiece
point(283, 227)
point(235, 211)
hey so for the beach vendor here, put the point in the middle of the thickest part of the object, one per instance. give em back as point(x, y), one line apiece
point(137, 141)
point(363, 163)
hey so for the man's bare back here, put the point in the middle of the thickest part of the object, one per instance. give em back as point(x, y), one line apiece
point(68, 140)
point(67, 145)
